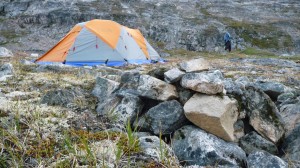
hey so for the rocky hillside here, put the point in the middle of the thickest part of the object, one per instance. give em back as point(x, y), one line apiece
point(36, 25)
point(203, 112)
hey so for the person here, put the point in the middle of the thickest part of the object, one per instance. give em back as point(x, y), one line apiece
point(227, 41)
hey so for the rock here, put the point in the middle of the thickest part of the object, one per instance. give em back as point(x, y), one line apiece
point(214, 114)
point(263, 114)
point(6, 69)
point(264, 159)
point(238, 129)
point(26, 62)
point(285, 97)
point(103, 88)
point(142, 134)
point(173, 75)
point(153, 88)
point(17, 95)
point(129, 82)
point(61, 97)
point(253, 142)
point(184, 94)
point(242, 81)
point(195, 65)
point(4, 52)
point(54, 67)
point(121, 109)
point(291, 148)
point(291, 116)
point(157, 149)
point(158, 73)
point(273, 89)
point(205, 82)
point(164, 118)
point(194, 146)
point(232, 88)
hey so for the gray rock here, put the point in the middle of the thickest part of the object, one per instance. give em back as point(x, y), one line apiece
point(264, 159)
point(6, 69)
point(61, 97)
point(156, 89)
point(26, 62)
point(196, 147)
point(291, 148)
point(195, 65)
point(184, 94)
point(205, 82)
point(157, 150)
point(263, 114)
point(214, 114)
point(285, 97)
point(103, 88)
point(158, 72)
point(291, 116)
point(254, 142)
point(173, 75)
point(142, 134)
point(129, 82)
point(242, 81)
point(232, 88)
point(164, 118)
point(273, 89)
point(121, 110)
point(238, 129)
point(4, 52)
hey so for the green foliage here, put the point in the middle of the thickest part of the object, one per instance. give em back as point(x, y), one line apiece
point(253, 51)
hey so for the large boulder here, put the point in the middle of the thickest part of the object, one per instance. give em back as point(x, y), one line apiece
point(214, 114)
point(291, 148)
point(6, 69)
point(173, 75)
point(254, 142)
point(156, 149)
point(121, 109)
point(153, 88)
point(196, 147)
point(61, 97)
point(263, 114)
point(210, 82)
point(4, 52)
point(103, 88)
point(164, 118)
point(273, 89)
point(264, 159)
point(195, 65)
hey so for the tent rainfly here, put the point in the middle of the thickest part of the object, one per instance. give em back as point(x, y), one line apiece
point(101, 42)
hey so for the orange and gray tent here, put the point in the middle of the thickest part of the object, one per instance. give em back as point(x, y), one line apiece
point(101, 42)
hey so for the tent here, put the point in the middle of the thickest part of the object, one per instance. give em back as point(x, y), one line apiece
point(101, 42)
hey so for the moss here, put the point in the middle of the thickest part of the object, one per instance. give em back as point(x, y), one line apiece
point(253, 51)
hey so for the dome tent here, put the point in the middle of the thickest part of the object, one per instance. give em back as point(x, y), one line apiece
point(101, 42)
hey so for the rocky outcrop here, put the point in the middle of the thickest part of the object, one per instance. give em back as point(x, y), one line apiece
point(263, 114)
point(195, 65)
point(264, 159)
point(61, 97)
point(214, 114)
point(254, 142)
point(163, 119)
point(210, 82)
point(6, 69)
point(196, 147)
point(273, 89)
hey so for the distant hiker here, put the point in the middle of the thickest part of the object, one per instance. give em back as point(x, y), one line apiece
point(227, 41)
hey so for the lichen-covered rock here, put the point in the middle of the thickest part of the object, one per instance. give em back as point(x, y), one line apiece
point(254, 142)
point(263, 114)
point(4, 52)
point(196, 147)
point(153, 88)
point(214, 114)
point(164, 118)
point(154, 148)
point(103, 88)
point(195, 65)
point(61, 97)
point(205, 82)
point(264, 159)
point(291, 116)
point(291, 148)
point(273, 89)
point(173, 75)
point(6, 69)
point(121, 109)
